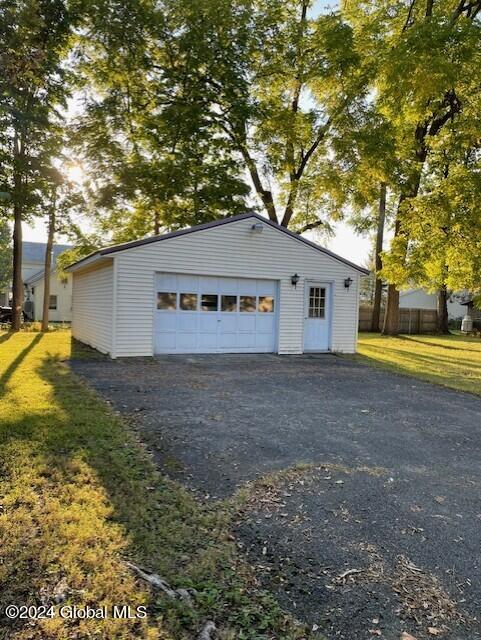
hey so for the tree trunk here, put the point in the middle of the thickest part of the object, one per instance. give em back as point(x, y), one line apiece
point(48, 267)
point(17, 288)
point(17, 285)
point(376, 311)
point(156, 223)
point(391, 315)
point(443, 318)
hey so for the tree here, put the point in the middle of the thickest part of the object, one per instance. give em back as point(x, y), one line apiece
point(427, 76)
point(84, 244)
point(286, 83)
point(61, 200)
point(209, 96)
point(34, 36)
point(146, 136)
point(444, 251)
point(5, 256)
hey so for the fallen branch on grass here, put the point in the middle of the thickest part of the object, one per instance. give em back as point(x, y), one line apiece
point(349, 572)
point(155, 581)
point(208, 631)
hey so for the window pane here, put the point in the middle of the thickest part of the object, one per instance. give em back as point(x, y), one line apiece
point(266, 304)
point(209, 302)
point(166, 301)
point(188, 301)
point(229, 303)
point(52, 303)
point(247, 303)
point(317, 302)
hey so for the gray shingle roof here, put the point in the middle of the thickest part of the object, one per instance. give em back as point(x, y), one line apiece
point(210, 225)
point(35, 251)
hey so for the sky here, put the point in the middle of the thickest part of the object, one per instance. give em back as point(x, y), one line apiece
point(345, 243)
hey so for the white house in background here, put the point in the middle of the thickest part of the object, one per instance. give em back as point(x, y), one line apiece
point(237, 285)
point(420, 299)
point(33, 261)
point(60, 301)
point(33, 257)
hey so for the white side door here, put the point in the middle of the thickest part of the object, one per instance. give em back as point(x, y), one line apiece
point(317, 316)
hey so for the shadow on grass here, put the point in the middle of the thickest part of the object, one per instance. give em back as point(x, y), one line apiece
point(81, 351)
point(427, 356)
point(108, 499)
point(457, 339)
point(6, 336)
point(10, 370)
point(463, 376)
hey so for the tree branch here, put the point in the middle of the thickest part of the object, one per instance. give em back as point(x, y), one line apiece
point(311, 225)
point(312, 149)
point(290, 152)
point(454, 106)
point(297, 175)
point(470, 8)
point(408, 22)
point(264, 194)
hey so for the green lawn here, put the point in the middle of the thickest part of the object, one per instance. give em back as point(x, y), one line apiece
point(79, 496)
point(453, 361)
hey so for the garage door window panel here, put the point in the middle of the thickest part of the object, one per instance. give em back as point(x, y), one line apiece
point(166, 301)
point(229, 303)
point(244, 318)
point(210, 302)
point(188, 301)
point(266, 304)
point(247, 304)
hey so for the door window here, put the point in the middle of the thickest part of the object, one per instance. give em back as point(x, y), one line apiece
point(317, 302)
point(247, 303)
point(166, 301)
point(188, 301)
point(209, 302)
point(266, 304)
point(229, 303)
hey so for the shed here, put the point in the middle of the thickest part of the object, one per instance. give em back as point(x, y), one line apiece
point(241, 284)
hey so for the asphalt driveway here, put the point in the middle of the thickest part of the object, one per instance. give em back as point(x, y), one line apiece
point(363, 510)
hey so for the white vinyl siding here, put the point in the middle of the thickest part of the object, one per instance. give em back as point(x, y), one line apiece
point(60, 288)
point(93, 307)
point(233, 250)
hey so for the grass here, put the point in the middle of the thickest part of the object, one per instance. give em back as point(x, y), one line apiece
point(453, 361)
point(80, 495)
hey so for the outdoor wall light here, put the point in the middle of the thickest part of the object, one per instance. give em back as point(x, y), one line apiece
point(347, 282)
point(295, 279)
point(257, 227)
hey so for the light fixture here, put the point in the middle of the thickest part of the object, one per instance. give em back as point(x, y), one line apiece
point(295, 279)
point(347, 282)
point(257, 227)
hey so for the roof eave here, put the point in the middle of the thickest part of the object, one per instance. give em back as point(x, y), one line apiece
point(88, 261)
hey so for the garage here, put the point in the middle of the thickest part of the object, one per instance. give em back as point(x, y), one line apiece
point(205, 314)
point(241, 284)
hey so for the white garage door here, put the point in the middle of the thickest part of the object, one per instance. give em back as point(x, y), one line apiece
point(205, 314)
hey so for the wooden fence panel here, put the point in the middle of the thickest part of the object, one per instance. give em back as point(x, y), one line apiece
point(411, 321)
